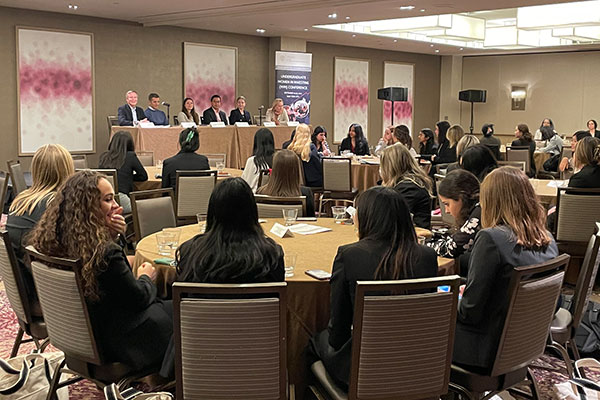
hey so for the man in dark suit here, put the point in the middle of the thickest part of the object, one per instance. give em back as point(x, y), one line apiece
point(130, 114)
point(214, 113)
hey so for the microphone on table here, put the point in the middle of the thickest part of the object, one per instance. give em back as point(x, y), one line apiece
point(260, 114)
point(164, 103)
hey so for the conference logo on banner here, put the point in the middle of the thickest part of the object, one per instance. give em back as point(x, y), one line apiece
point(292, 83)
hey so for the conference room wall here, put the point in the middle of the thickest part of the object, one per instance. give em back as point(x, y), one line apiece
point(127, 56)
point(426, 85)
point(561, 86)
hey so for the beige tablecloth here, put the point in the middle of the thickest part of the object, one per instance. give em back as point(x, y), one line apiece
point(308, 298)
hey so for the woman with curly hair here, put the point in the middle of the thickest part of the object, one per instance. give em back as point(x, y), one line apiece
point(82, 222)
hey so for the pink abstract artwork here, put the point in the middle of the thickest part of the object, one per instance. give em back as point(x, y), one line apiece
point(55, 90)
point(210, 70)
point(399, 75)
point(351, 100)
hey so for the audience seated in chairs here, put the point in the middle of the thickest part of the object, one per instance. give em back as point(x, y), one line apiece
point(121, 156)
point(427, 146)
point(261, 159)
point(463, 144)
point(490, 140)
point(50, 168)
point(307, 151)
point(82, 222)
point(586, 159)
point(400, 170)
point(285, 180)
point(387, 250)
point(234, 248)
point(566, 164)
point(514, 234)
point(448, 137)
point(185, 160)
point(479, 160)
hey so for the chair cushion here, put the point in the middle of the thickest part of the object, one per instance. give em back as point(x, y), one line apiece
point(474, 382)
point(323, 377)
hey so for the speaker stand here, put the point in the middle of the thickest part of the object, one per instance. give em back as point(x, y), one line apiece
point(471, 127)
point(392, 112)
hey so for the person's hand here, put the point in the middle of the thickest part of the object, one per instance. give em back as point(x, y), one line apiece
point(146, 269)
point(116, 222)
point(276, 120)
point(564, 164)
point(433, 156)
point(144, 120)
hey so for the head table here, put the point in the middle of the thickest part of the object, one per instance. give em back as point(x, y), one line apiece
point(308, 298)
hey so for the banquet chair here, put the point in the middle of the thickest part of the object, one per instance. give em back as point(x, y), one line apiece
point(193, 190)
point(214, 158)
point(263, 177)
point(230, 339)
point(272, 206)
point(17, 176)
point(398, 353)
point(146, 158)
point(152, 211)
point(515, 164)
point(533, 292)
point(337, 181)
point(515, 153)
point(576, 214)
point(4, 177)
point(441, 169)
point(60, 289)
point(28, 312)
point(566, 321)
point(112, 120)
point(79, 161)
point(495, 149)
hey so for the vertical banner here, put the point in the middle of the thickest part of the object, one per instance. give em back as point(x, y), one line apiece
point(351, 96)
point(399, 75)
point(209, 70)
point(292, 83)
point(55, 72)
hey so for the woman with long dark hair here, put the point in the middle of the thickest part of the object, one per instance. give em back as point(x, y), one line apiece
point(121, 156)
point(524, 139)
point(355, 142)
point(261, 159)
point(387, 249)
point(592, 126)
point(479, 160)
point(427, 146)
point(285, 180)
point(186, 160)
point(82, 222)
point(188, 112)
point(446, 150)
point(319, 139)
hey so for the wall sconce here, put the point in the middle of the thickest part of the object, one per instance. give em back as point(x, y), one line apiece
point(518, 96)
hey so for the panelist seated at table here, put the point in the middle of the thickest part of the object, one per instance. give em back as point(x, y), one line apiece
point(154, 115)
point(83, 222)
point(234, 248)
point(214, 113)
point(185, 160)
point(399, 170)
point(240, 114)
point(514, 234)
point(387, 249)
point(355, 142)
point(285, 180)
point(130, 114)
point(261, 159)
point(307, 151)
point(188, 112)
point(277, 113)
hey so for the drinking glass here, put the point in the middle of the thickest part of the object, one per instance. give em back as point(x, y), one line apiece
point(290, 215)
point(164, 240)
point(220, 167)
point(290, 263)
point(339, 212)
point(421, 240)
point(176, 234)
point(201, 222)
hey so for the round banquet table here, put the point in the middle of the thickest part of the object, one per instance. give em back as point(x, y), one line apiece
point(308, 298)
point(155, 183)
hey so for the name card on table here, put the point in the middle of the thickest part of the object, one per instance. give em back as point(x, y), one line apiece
point(281, 231)
point(293, 123)
point(146, 125)
point(186, 125)
point(220, 124)
point(269, 124)
point(241, 124)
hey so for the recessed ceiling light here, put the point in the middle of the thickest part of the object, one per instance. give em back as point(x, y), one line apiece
point(73, 6)
point(395, 40)
point(422, 10)
point(347, 17)
point(431, 45)
point(437, 51)
point(353, 35)
point(260, 30)
point(406, 8)
point(332, 16)
point(461, 49)
point(305, 29)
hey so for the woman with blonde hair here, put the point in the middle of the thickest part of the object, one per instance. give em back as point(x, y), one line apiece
point(586, 160)
point(83, 222)
point(400, 170)
point(307, 151)
point(514, 234)
point(285, 180)
point(51, 166)
point(277, 113)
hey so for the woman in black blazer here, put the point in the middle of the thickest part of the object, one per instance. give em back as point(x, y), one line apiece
point(387, 250)
point(525, 139)
point(427, 146)
point(587, 157)
point(355, 142)
point(82, 222)
point(447, 138)
point(239, 114)
point(185, 160)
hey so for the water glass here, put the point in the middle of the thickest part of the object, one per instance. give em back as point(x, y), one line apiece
point(176, 233)
point(339, 212)
point(290, 263)
point(164, 240)
point(220, 167)
point(421, 240)
point(159, 164)
point(290, 215)
point(201, 222)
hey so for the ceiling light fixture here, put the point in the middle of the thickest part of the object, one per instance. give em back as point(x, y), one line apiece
point(422, 10)
point(395, 40)
point(437, 51)
point(353, 35)
point(332, 16)
point(305, 29)
point(407, 8)
point(73, 6)
point(260, 30)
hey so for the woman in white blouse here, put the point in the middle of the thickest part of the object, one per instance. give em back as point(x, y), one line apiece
point(277, 113)
point(262, 157)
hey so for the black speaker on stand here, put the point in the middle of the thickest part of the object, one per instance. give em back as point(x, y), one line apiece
point(472, 96)
point(393, 94)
